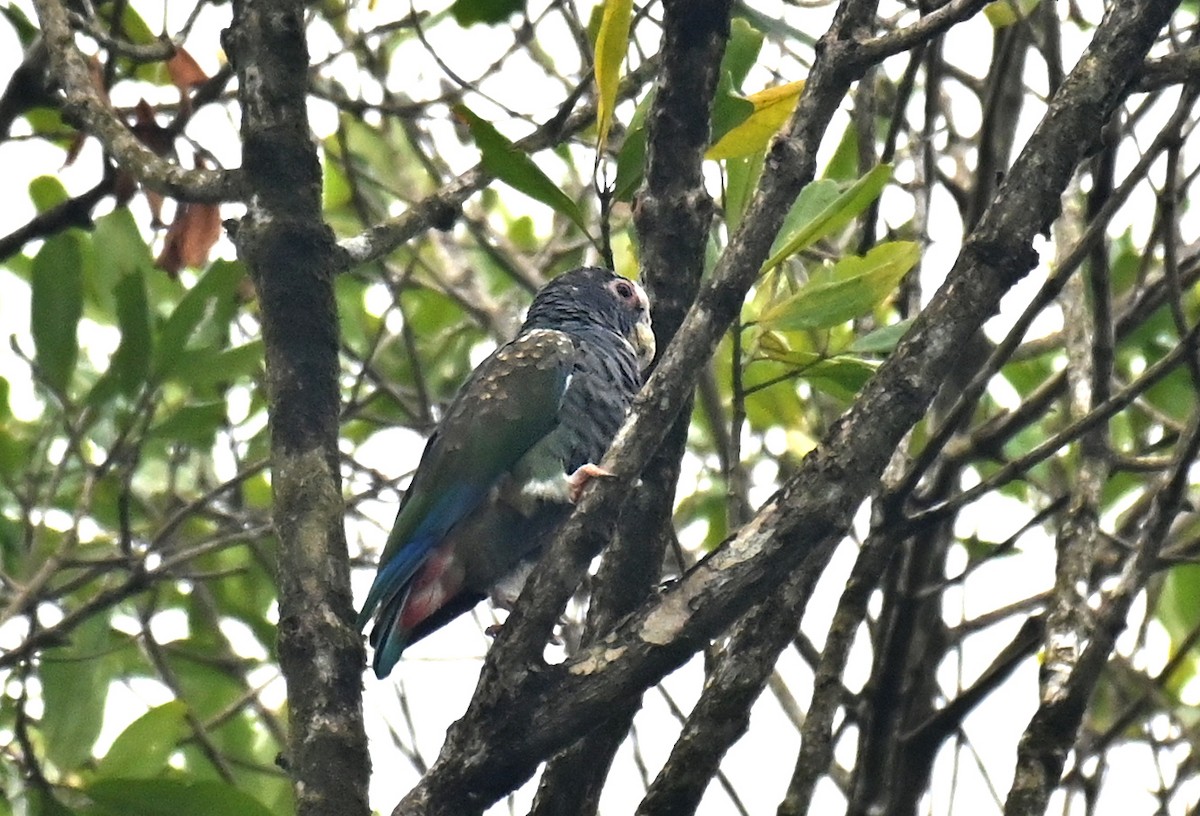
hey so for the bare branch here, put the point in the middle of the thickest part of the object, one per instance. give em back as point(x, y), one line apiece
point(84, 102)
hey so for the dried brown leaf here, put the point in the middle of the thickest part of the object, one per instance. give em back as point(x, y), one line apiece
point(190, 237)
point(185, 72)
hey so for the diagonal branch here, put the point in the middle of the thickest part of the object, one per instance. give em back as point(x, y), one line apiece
point(673, 215)
point(525, 710)
point(84, 103)
point(441, 209)
point(1043, 748)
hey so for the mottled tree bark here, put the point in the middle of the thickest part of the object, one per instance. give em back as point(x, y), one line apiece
point(673, 213)
point(291, 254)
point(524, 710)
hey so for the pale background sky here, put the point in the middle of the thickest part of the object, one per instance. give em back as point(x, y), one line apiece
point(439, 674)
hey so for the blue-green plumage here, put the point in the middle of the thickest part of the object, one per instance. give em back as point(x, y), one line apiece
point(500, 471)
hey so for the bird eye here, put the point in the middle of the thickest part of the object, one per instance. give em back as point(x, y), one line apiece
point(624, 290)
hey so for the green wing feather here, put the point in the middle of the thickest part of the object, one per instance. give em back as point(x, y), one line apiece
point(510, 403)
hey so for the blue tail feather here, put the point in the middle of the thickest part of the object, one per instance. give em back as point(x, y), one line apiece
point(393, 577)
point(387, 637)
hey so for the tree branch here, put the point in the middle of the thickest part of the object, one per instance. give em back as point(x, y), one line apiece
point(291, 254)
point(441, 209)
point(1043, 748)
point(673, 215)
point(524, 709)
point(83, 102)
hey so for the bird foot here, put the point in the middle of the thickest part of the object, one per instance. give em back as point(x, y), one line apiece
point(578, 480)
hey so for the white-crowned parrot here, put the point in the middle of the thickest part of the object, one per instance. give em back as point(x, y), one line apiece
point(509, 457)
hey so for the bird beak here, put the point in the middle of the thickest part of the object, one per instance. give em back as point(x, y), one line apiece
point(643, 340)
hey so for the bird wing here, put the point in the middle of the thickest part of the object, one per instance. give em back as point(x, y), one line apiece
point(511, 401)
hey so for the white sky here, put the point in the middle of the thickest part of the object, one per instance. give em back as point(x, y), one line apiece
point(439, 674)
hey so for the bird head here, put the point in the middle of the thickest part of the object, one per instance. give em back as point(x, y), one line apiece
point(595, 297)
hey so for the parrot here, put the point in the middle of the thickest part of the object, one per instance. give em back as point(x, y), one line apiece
point(509, 458)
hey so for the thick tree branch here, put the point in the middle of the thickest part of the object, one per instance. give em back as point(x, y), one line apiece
point(290, 253)
point(74, 212)
point(1179, 67)
point(722, 714)
point(514, 661)
point(524, 709)
point(1043, 748)
point(83, 102)
point(745, 664)
point(673, 214)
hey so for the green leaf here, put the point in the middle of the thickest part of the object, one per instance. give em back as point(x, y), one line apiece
point(133, 27)
point(210, 366)
point(1173, 395)
point(208, 689)
point(47, 123)
point(195, 423)
point(1177, 608)
point(730, 108)
point(131, 361)
point(469, 12)
point(836, 215)
point(855, 286)
point(816, 197)
point(27, 32)
point(772, 107)
point(771, 399)
point(57, 283)
point(75, 682)
point(979, 550)
point(47, 192)
point(631, 159)
point(841, 375)
point(336, 191)
point(775, 26)
point(219, 282)
point(741, 52)
point(1179, 614)
point(43, 803)
point(124, 253)
point(515, 168)
point(171, 797)
point(741, 179)
point(142, 750)
point(843, 164)
point(612, 41)
point(882, 340)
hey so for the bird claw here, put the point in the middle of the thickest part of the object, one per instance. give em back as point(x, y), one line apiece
point(578, 480)
point(494, 630)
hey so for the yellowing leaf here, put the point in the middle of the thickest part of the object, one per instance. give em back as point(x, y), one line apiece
point(1001, 13)
point(772, 107)
point(611, 43)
